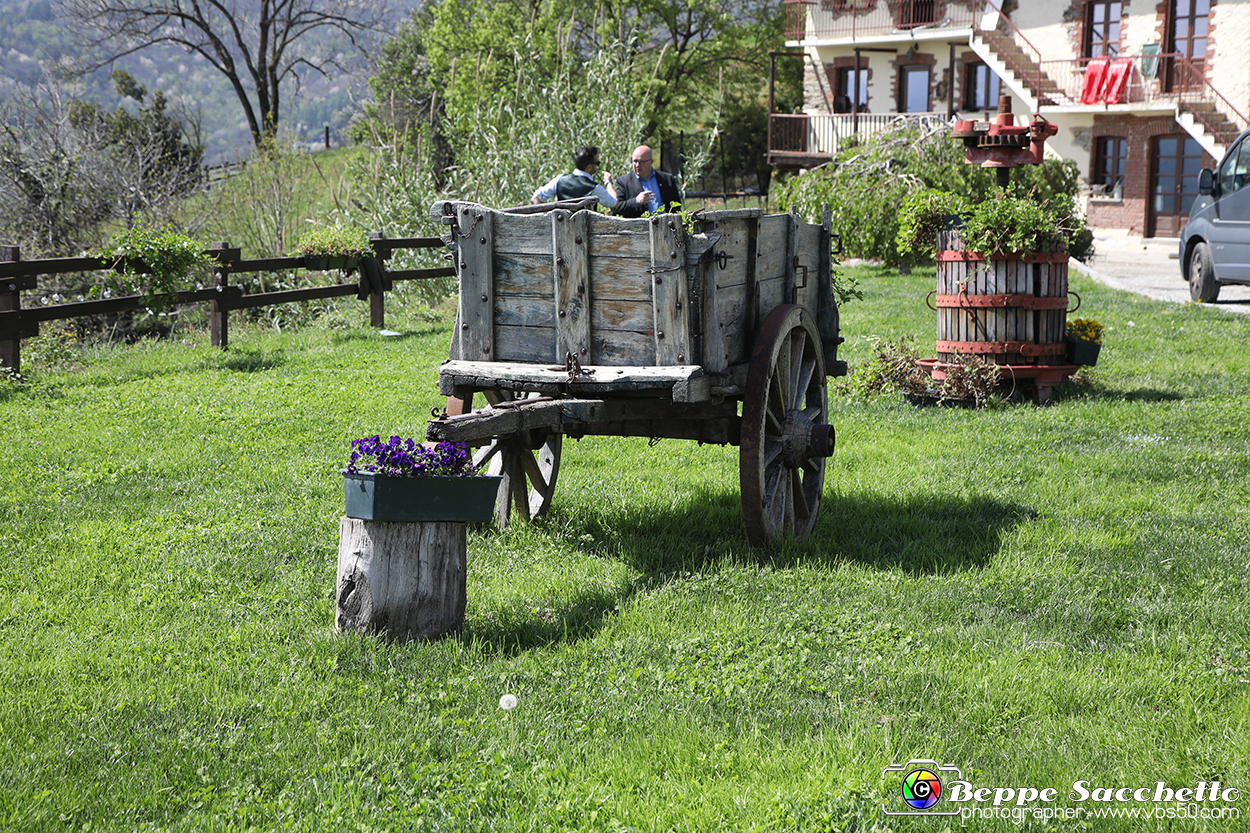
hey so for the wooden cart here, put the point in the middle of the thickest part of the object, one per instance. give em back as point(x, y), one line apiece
point(572, 322)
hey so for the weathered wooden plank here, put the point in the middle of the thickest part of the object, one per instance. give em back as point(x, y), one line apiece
point(771, 244)
point(476, 270)
point(524, 274)
point(624, 348)
point(524, 234)
point(624, 279)
point(571, 267)
point(523, 311)
point(613, 237)
point(454, 376)
point(635, 316)
point(476, 426)
point(669, 290)
point(734, 245)
point(731, 314)
point(808, 239)
point(772, 294)
point(525, 344)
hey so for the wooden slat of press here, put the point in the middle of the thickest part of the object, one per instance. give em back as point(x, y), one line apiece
point(610, 315)
point(670, 293)
point(571, 266)
point(618, 237)
point(476, 282)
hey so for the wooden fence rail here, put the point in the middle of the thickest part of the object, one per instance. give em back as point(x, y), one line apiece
point(17, 276)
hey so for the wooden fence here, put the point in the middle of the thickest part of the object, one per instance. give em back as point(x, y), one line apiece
point(17, 276)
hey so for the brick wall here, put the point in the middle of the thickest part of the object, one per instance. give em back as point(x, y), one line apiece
point(1130, 212)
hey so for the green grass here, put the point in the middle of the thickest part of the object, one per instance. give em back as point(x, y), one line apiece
point(1035, 595)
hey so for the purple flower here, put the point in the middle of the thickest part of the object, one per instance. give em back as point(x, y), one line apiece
point(402, 457)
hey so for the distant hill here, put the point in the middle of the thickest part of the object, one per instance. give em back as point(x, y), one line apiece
point(32, 38)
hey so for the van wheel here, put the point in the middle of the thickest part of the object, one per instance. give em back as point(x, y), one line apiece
point(1202, 284)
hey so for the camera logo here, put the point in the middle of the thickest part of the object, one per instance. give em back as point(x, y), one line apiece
point(919, 788)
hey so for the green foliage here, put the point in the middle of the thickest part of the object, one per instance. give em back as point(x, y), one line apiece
point(151, 261)
point(344, 241)
point(922, 215)
point(1010, 224)
point(867, 183)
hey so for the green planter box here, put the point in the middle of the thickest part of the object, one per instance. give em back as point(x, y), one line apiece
point(1084, 352)
point(328, 263)
point(375, 497)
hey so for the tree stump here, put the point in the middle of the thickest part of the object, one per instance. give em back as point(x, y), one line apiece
point(403, 578)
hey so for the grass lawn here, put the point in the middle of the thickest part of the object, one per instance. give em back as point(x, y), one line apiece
point(1037, 596)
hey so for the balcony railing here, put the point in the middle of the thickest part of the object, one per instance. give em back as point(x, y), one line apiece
point(1167, 79)
point(807, 19)
point(807, 140)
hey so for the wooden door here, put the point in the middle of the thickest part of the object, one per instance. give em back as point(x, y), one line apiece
point(1175, 163)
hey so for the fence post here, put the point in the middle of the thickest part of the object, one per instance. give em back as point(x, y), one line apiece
point(377, 310)
point(219, 309)
point(10, 299)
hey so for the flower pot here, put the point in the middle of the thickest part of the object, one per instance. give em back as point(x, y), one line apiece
point(377, 497)
point(327, 263)
point(1084, 352)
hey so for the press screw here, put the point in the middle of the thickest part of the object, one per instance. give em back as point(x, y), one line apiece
point(562, 313)
point(559, 218)
point(659, 335)
point(578, 240)
point(464, 326)
point(483, 297)
point(672, 254)
point(658, 279)
point(559, 261)
point(481, 240)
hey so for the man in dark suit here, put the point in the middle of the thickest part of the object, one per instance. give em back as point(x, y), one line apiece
point(645, 190)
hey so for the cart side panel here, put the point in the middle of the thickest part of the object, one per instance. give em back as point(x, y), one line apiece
point(808, 264)
point(771, 274)
point(670, 291)
point(732, 269)
point(622, 318)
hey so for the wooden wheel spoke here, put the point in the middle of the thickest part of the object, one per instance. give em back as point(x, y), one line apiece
point(801, 509)
point(794, 367)
point(775, 498)
point(772, 450)
point(486, 453)
point(782, 373)
point(803, 382)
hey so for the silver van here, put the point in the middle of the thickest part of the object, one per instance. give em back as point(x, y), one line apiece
point(1215, 243)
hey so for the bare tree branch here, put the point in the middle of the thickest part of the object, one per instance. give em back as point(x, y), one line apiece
point(258, 45)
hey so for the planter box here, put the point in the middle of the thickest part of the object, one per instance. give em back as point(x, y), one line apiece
point(327, 263)
point(375, 497)
point(1084, 352)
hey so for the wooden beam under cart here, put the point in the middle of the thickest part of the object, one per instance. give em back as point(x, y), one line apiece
point(686, 383)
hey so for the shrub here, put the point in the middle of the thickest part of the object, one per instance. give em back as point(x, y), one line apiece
point(151, 261)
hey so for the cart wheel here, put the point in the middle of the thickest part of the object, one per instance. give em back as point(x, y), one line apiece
point(785, 435)
point(529, 463)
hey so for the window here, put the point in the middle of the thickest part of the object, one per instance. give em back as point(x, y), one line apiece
point(1102, 28)
point(1235, 169)
point(855, 94)
point(981, 85)
point(1189, 28)
point(1110, 154)
point(913, 90)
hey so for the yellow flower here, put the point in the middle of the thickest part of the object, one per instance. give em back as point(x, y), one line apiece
point(1085, 329)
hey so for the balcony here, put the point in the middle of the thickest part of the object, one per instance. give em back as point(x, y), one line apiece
point(850, 20)
point(805, 141)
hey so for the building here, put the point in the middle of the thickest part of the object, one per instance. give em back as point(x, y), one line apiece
point(1144, 94)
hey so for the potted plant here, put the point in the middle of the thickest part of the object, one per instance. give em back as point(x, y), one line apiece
point(151, 261)
point(1084, 337)
point(334, 247)
point(399, 479)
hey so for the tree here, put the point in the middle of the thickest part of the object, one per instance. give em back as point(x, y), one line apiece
point(259, 47)
point(154, 161)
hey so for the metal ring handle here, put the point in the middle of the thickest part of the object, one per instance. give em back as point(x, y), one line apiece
point(1078, 302)
point(930, 303)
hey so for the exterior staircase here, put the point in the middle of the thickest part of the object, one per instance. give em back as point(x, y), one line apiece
point(1018, 70)
point(1208, 125)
